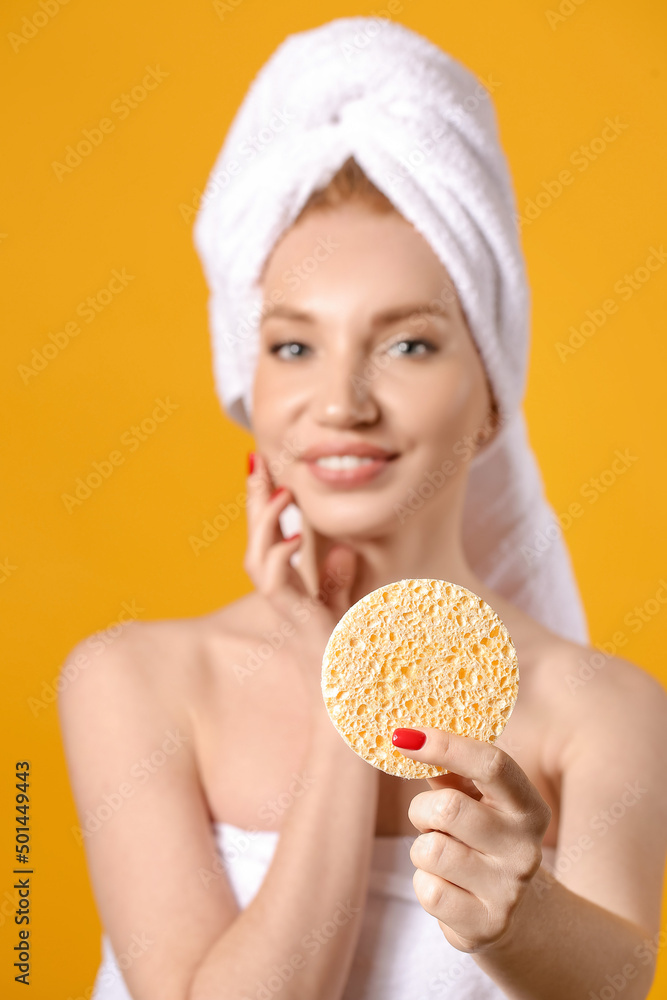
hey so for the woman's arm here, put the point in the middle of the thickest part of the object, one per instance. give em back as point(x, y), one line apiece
point(145, 857)
point(563, 945)
point(146, 830)
point(299, 933)
point(301, 928)
point(596, 930)
point(143, 819)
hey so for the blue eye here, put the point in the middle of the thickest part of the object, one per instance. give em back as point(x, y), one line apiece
point(429, 347)
point(292, 345)
point(292, 349)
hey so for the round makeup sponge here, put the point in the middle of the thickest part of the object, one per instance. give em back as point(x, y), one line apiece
point(418, 653)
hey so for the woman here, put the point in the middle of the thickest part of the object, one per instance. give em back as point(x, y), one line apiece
point(245, 850)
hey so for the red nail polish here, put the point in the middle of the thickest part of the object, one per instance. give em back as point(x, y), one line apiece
point(291, 537)
point(281, 489)
point(408, 739)
point(251, 462)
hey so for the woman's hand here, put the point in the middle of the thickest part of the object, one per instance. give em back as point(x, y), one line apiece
point(482, 828)
point(267, 562)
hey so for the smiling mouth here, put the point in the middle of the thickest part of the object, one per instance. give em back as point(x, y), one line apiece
point(345, 471)
point(345, 461)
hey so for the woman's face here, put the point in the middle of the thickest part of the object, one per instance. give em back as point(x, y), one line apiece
point(363, 344)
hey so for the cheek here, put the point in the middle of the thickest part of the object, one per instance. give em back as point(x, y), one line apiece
point(277, 405)
point(272, 401)
point(443, 405)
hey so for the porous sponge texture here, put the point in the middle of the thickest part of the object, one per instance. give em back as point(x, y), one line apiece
point(418, 653)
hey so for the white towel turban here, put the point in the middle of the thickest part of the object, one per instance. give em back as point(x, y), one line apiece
point(423, 129)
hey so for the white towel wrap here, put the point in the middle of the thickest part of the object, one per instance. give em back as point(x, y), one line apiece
point(401, 950)
point(424, 130)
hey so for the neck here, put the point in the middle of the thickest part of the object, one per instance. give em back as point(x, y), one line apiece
point(382, 561)
point(426, 545)
point(413, 553)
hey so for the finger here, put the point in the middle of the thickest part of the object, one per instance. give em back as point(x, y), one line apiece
point(460, 910)
point(451, 811)
point(280, 580)
point(503, 784)
point(266, 531)
point(260, 488)
point(437, 854)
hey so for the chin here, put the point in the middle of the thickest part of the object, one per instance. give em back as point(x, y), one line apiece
point(352, 515)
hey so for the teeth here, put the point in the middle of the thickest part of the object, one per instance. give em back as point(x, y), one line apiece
point(343, 461)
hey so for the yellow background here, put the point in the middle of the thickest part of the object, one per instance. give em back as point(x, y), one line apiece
point(119, 208)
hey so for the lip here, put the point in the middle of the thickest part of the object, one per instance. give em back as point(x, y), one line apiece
point(348, 477)
point(360, 448)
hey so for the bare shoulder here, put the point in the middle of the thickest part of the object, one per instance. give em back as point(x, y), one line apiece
point(589, 696)
point(165, 659)
point(582, 676)
point(132, 747)
point(618, 697)
point(131, 695)
point(601, 734)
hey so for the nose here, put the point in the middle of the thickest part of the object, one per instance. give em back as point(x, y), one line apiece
point(344, 398)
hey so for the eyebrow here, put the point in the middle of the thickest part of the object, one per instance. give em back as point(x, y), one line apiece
point(379, 319)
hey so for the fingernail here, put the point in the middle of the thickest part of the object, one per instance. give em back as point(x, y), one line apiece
point(281, 489)
point(408, 739)
point(291, 537)
point(251, 462)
